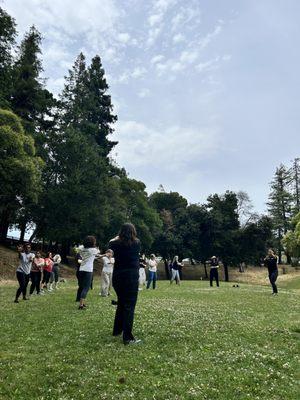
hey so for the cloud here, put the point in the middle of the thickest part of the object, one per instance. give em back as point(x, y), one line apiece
point(179, 38)
point(157, 58)
point(205, 41)
point(138, 72)
point(169, 148)
point(144, 93)
point(124, 37)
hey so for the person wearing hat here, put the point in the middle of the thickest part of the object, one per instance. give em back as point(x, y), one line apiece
point(214, 274)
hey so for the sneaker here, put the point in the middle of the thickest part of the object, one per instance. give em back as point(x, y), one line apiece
point(81, 308)
point(16, 301)
point(25, 298)
point(132, 342)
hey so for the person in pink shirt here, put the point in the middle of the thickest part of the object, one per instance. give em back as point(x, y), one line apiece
point(48, 265)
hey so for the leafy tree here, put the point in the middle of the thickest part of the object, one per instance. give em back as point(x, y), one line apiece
point(280, 204)
point(224, 225)
point(7, 41)
point(20, 169)
point(291, 240)
point(254, 239)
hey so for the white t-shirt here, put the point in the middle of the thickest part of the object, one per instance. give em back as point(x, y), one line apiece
point(152, 264)
point(26, 262)
point(108, 264)
point(57, 259)
point(88, 256)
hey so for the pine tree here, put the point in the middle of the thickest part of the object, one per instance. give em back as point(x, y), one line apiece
point(295, 182)
point(7, 41)
point(86, 104)
point(280, 204)
point(30, 100)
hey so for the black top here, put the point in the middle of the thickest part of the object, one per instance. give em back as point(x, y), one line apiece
point(143, 263)
point(126, 256)
point(175, 266)
point(271, 263)
point(214, 262)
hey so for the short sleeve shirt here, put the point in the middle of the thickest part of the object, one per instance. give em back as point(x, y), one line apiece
point(88, 256)
point(25, 262)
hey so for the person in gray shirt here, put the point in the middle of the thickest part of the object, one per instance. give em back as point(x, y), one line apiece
point(23, 271)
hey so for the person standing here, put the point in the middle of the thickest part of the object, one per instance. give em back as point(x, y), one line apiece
point(213, 273)
point(271, 262)
point(126, 247)
point(47, 270)
point(55, 269)
point(152, 277)
point(107, 272)
point(142, 272)
point(88, 253)
point(175, 270)
point(36, 273)
point(23, 271)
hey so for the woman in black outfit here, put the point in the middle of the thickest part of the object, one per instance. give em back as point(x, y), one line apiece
point(126, 247)
point(271, 263)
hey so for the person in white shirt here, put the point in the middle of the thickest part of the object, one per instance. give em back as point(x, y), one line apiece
point(152, 267)
point(55, 269)
point(142, 272)
point(23, 271)
point(88, 253)
point(106, 274)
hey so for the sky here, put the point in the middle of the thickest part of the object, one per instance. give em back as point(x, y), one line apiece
point(206, 91)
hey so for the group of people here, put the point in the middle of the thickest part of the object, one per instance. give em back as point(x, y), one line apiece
point(123, 268)
point(42, 271)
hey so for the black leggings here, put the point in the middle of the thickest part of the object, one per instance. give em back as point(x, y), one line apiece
point(23, 280)
point(46, 277)
point(84, 284)
point(35, 281)
point(214, 274)
point(273, 277)
point(55, 271)
point(126, 285)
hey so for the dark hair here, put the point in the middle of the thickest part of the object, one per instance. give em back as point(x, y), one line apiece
point(89, 241)
point(127, 234)
point(48, 254)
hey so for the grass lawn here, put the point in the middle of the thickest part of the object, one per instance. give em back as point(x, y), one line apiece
point(198, 343)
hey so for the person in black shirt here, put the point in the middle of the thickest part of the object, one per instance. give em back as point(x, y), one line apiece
point(126, 247)
point(214, 267)
point(271, 263)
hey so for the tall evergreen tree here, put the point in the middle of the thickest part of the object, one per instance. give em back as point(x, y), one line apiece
point(280, 204)
point(7, 41)
point(295, 182)
point(31, 101)
point(87, 105)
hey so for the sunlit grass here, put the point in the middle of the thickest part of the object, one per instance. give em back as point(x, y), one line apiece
point(198, 343)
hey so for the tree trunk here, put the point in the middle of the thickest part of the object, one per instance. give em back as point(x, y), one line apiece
point(4, 224)
point(226, 272)
point(65, 251)
point(33, 235)
point(22, 231)
point(167, 271)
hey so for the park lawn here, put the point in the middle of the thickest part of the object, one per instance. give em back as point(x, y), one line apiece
point(198, 343)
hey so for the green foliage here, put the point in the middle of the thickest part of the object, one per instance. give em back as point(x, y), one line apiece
point(7, 40)
point(20, 169)
point(30, 100)
point(291, 240)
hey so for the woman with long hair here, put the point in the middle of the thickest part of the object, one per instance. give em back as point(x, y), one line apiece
point(271, 263)
point(36, 273)
point(126, 247)
point(175, 270)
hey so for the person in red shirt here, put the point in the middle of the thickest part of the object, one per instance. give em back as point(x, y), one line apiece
point(36, 273)
point(47, 271)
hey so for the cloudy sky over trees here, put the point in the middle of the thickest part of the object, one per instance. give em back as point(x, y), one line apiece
point(206, 91)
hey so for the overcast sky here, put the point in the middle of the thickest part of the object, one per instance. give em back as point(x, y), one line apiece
point(207, 92)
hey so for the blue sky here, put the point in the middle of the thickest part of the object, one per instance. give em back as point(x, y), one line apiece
point(207, 92)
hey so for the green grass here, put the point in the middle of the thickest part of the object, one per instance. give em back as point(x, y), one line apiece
point(198, 343)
